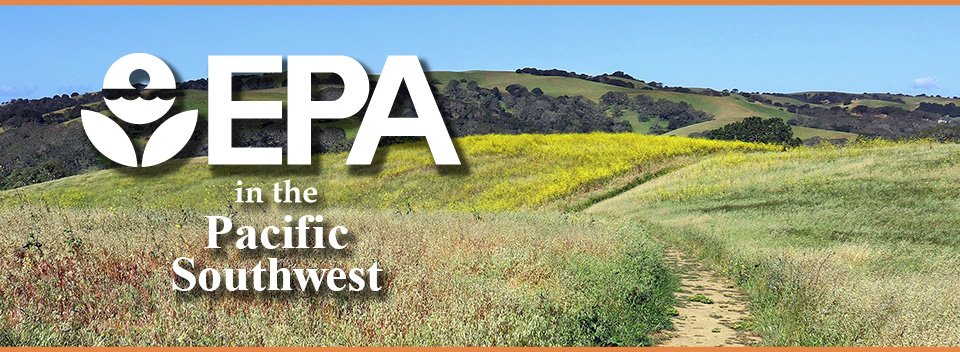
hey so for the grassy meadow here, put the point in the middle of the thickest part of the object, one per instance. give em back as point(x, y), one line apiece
point(500, 172)
point(836, 246)
point(102, 277)
point(479, 255)
point(853, 245)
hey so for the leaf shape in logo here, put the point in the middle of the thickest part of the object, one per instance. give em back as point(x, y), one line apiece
point(169, 138)
point(108, 138)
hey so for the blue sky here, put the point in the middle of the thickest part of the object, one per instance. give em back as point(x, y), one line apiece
point(52, 50)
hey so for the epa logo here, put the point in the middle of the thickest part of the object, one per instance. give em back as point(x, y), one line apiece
point(111, 140)
point(173, 134)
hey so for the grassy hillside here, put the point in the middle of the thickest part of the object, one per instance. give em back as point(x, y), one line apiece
point(837, 246)
point(909, 102)
point(551, 85)
point(455, 278)
point(643, 127)
point(102, 277)
point(808, 132)
point(499, 173)
point(726, 109)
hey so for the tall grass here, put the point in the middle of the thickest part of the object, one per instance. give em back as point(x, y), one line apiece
point(837, 246)
point(86, 260)
point(101, 277)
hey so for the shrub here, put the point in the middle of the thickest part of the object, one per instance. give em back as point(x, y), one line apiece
point(755, 129)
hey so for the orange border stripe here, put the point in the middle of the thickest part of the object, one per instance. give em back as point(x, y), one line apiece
point(480, 2)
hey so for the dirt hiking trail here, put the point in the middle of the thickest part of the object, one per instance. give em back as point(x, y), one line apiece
point(710, 307)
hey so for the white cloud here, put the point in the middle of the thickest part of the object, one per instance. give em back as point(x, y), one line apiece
point(924, 83)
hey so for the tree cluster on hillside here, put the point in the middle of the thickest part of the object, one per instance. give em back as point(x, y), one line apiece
point(470, 109)
point(677, 114)
point(195, 84)
point(610, 79)
point(886, 121)
point(836, 97)
point(941, 133)
point(949, 109)
point(33, 153)
point(17, 112)
point(754, 129)
point(247, 82)
point(535, 112)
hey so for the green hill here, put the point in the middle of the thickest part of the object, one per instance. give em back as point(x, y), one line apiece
point(481, 267)
point(500, 172)
point(893, 100)
point(837, 246)
point(726, 109)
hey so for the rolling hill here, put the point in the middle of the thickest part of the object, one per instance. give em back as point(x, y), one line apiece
point(501, 172)
point(556, 239)
point(814, 116)
point(836, 246)
point(725, 109)
point(475, 255)
point(872, 100)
